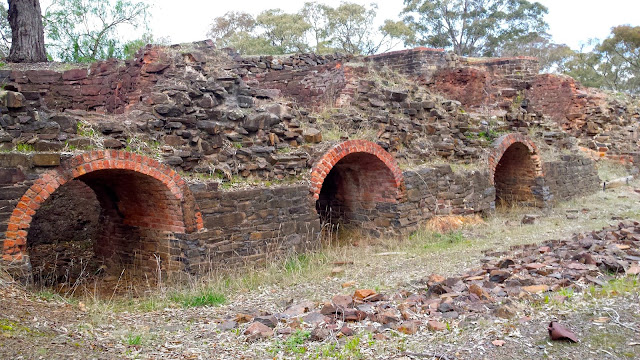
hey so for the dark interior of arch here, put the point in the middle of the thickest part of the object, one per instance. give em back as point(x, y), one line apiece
point(359, 190)
point(101, 223)
point(514, 176)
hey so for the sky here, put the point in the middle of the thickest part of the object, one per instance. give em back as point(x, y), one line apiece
point(571, 22)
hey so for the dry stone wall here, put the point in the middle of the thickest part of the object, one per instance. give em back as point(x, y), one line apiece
point(571, 176)
point(440, 191)
point(202, 111)
point(250, 226)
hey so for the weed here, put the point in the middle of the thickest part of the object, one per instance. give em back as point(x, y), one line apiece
point(24, 148)
point(614, 287)
point(352, 348)
point(85, 129)
point(293, 344)
point(489, 135)
point(133, 339)
point(48, 294)
point(297, 263)
point(205, 297)
point(438, 241)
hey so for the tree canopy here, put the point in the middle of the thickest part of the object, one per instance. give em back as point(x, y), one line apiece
point(612, 64)
point(347, 28)
point(86, 30)
point(474, 27)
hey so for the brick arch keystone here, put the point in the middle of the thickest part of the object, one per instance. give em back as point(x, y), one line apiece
point(503, 143)
point(324, 165)
point(39, 192)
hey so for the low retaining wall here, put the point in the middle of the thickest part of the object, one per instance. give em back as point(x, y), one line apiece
point(440, 191)
point(571, 176)
point(249, 226)
point(245, 226)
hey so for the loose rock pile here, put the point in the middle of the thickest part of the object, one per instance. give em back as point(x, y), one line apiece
point(437, 303)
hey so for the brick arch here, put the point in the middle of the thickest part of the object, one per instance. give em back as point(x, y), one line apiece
point(357, 183)
point(324, 165)
point(515, 165)
point(103, 169)
point(502, 144)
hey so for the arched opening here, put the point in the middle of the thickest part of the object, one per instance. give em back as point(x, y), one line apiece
point(101, 212)
point(515, 176)
point(63, 234)
point(357, 183)
point(354, 188)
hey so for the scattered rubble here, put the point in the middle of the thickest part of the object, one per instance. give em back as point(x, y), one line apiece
point(436, 303)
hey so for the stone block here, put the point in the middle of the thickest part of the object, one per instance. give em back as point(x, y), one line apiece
point(13, 160)
point(11, 175)
point(45, 159)
point(75, 74)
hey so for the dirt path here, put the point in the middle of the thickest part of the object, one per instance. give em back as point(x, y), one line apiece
point(605, 318)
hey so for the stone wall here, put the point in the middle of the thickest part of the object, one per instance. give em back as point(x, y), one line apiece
point(419, 63)
point(246, 226)
point(105, 86)
point(570, 177)
point(440, 191)
point(312, 80)
point(250, 226)
point(516, 72)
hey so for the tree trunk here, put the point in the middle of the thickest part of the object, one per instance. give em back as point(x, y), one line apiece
point(27, 32)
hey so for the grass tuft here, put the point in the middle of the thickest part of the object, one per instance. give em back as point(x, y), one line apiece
point(205, 297)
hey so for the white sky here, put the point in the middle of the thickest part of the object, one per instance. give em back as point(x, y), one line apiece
point(571, 21)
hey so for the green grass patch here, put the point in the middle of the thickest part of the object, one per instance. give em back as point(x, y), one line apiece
point(615, 287)
point(350, 350)
point(133, 339)
point(22, 147)
point(297, 263)
point(292, 345)
point(206, 297)
point(435, 241)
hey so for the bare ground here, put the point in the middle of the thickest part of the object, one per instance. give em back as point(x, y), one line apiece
point(44, 325)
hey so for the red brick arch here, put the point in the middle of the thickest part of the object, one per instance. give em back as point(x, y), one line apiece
point(503, 143)
point(324, 165)
point(180, 216)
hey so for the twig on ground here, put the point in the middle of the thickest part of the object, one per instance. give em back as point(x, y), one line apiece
point(616, 319)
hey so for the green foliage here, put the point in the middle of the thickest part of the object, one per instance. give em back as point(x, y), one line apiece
point(285, 32)
point(227, 30)
point(133, 339)
point(351, 350)
point(85, 129)
point(615, 287)
point(613, 64)
point(349, 29)
point(5, 31)
point(489, 135)
point(317, 27)
point(474, 28)
point(206, 297)
point(297, 263)
point(22, 147)
point(292, 345)
point(552, 57)
point(85, 30)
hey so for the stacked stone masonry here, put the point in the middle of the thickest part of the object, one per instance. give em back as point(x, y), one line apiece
point(223, 228)
point(227, 115)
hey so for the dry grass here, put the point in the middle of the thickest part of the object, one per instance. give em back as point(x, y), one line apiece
point(183, 311)
point(448, 223)
point(446, 245)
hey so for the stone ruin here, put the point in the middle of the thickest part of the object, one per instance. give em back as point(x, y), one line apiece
point(188, 159)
